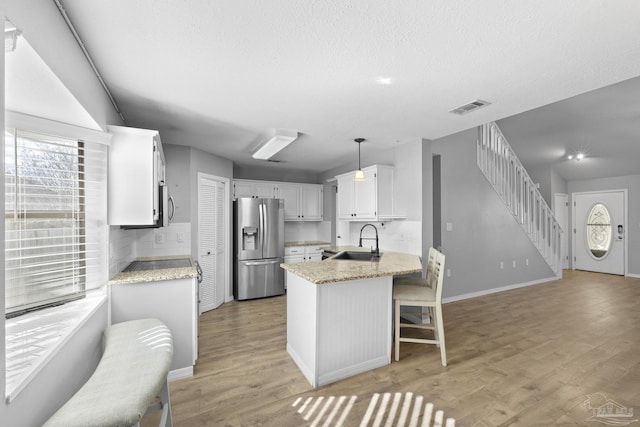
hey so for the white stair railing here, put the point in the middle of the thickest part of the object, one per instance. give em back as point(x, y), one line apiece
point(520, 194)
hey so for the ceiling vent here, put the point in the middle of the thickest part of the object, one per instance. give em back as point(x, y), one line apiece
point(473, 105)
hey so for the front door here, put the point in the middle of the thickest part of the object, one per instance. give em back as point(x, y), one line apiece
point(599, 223)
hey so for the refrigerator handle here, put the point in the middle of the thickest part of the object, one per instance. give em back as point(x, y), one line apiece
point(267, 262)
point(262, 224)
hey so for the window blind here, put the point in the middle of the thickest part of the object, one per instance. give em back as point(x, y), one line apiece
point(55, 219)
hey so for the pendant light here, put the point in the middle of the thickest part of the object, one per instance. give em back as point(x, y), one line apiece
point(359, 176)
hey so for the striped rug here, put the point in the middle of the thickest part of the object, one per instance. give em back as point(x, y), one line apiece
point(384, 410)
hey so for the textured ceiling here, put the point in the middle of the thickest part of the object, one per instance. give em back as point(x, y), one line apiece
point(220, 75)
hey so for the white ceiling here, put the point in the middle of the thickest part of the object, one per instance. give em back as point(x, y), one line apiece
point(220, 75)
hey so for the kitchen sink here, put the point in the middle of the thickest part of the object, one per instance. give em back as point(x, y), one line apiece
point(158, 264)
point(357, 256)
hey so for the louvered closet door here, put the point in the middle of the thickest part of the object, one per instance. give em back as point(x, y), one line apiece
point(211, 238)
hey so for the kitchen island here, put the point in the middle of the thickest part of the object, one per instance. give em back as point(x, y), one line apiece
point(339, 314)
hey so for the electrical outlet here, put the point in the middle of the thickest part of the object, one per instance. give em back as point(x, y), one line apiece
point(526, 261)
point(448, 272)
point(501, 265)
point(449, 226)
point(514, 263)
point(180, 237)
point(159, 239)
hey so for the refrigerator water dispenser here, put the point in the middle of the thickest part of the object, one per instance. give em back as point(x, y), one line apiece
point(249, 238)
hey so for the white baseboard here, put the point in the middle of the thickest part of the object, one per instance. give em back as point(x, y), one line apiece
point(495, 290)
point(178, 374)
point(636, 276)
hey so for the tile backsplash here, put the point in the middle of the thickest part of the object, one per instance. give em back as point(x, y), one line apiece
point(399, 236)
point(309, 231)
point(127, 245)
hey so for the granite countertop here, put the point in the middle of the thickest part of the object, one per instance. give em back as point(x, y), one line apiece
point(334, 270)
point(144, 276)
point(305, 243)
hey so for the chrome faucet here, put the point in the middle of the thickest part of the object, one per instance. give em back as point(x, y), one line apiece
point(377, 250)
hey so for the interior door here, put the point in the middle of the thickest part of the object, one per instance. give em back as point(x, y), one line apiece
point(599, 222)
point(212, 241)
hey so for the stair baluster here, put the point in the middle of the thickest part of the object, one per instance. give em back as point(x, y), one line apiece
point(520, 194)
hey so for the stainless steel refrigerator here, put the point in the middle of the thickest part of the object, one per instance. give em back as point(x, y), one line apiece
point(258, 248)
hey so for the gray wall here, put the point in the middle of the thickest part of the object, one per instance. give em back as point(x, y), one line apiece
point(484, 232)
point(183, 165)
point(283, 173)
point(427, 197)
point(178, 179)
point(632, 184)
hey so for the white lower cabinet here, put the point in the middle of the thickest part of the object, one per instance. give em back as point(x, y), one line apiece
point(313, 253)
point(294, 254)
point(174, 302)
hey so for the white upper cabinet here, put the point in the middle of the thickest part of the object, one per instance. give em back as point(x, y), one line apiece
point(368, 200)
point(302, 202)
point(311, 202)
point(255, 189)
point(136, 172)
point(290, 193)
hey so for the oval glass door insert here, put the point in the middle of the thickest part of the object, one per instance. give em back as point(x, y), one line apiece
point(599, 230)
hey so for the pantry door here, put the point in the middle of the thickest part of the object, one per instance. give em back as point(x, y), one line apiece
point(600, 225)
point(213, 240)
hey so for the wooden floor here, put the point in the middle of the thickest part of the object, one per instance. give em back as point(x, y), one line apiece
point(526, 357)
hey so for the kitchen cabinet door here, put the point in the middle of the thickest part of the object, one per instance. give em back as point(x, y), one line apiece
point(136, 171)
point(264, 190)
point(302, 202)
point(290, 193)
point(290, 259)
point(365, 197)
point(311, 202)
point(345, 197)
point(313, 253)
point(368, 200)
point(255, 189)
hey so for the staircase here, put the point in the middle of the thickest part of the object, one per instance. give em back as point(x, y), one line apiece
point(520, 194)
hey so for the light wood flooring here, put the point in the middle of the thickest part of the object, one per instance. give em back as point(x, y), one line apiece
point(526, 357)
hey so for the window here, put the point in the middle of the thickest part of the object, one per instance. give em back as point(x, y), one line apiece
point(55, 219)
point(599, 230)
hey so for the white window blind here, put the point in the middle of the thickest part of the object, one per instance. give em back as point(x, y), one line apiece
point(55, 219)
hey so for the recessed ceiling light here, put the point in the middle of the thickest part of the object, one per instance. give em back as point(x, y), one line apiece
point(577, 156)
point(384, 80)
